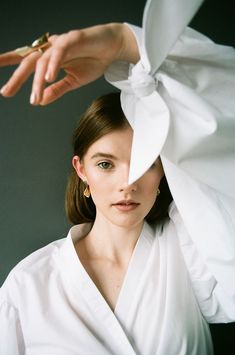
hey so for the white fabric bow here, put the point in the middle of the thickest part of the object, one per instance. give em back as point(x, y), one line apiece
point(183, 89)
point(163, 22)
point(179, 99)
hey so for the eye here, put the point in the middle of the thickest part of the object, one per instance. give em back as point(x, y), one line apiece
point(105, 165)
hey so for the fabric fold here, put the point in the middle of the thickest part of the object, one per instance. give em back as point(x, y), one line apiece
point(179, 100)
point(163, 23)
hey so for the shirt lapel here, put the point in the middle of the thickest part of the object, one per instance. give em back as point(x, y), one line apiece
point(103, 318)
point(134, 273)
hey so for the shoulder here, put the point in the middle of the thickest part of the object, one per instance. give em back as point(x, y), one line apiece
point(35, 267)
point(38, 259)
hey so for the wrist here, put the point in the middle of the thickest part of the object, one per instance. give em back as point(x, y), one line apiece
point(127, 48)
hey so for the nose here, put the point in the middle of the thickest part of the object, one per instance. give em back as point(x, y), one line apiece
point(123, 181)
point(128, 188)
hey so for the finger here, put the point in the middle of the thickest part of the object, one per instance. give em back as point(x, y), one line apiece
point(12, 58)
point(57, 57)
point(58, 89)
point(20, 75)
point(39, 79)
point(9, 58)
point(54, 64)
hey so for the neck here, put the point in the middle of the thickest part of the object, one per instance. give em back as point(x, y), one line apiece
point(112, 242)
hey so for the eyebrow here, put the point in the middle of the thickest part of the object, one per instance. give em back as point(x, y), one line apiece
point(103, 155)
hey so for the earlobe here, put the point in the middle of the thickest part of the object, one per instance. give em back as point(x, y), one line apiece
point(79, 167)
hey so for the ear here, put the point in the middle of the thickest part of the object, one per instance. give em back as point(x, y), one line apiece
point(79, 167)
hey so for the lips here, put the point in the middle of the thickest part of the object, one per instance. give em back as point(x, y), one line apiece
point(126, 205)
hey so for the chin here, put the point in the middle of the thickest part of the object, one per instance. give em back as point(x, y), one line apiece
point(127, 222)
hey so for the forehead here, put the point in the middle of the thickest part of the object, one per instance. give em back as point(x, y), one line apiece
point(117, 142)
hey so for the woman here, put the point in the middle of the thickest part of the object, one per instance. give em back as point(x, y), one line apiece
point(186, 266)
point(116, 284)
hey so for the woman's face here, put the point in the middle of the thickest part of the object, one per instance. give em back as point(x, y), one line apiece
point(105, 167)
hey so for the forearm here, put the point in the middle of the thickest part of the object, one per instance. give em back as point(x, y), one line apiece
point(128, 48)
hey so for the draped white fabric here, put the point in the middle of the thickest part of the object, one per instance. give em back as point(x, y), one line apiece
point(179, 100)
point(49, 305)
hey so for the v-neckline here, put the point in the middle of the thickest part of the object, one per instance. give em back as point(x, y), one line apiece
point(112, 320)
point(133, 272)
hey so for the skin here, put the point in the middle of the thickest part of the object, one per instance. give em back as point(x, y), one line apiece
point(84, 55)
point(106, 251)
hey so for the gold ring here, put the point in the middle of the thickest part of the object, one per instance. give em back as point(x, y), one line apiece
point(37, 45)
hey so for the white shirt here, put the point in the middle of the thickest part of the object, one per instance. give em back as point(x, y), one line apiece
point(179, 278)
point(49, 304)
point(179, 100)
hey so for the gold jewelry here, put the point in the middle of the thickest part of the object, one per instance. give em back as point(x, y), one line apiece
point(87, 192)
point(37, 45)
point(158, 192)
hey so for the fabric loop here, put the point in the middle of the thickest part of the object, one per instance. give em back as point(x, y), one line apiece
point(189, 121)
point(142, 83)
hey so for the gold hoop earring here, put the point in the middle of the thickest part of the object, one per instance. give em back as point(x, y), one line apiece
point(158, 192)
point(87, 192)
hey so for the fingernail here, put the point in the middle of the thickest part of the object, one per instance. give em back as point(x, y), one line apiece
point(47, 76)
point(33, 98)
point(3, 89)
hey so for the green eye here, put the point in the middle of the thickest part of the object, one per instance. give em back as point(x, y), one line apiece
point(105, 165)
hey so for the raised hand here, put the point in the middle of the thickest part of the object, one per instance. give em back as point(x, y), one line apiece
point(84, 55)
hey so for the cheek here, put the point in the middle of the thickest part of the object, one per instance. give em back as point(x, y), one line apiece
point(93, 180)
point(98, 183)
point(150, 184)
point(151, 192)
point(152, 180)
point(91, 176)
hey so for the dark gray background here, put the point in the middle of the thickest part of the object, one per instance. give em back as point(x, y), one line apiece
point(35, 151)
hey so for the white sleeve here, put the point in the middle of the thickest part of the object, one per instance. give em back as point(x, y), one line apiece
point(217, 306)
point(189, 117)
point(11, 339)
point(182, 108)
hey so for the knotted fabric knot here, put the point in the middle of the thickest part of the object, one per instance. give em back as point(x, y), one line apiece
point(142, 83)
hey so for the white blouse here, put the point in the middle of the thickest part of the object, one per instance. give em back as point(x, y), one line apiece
point(179, 100)
point(49, 304)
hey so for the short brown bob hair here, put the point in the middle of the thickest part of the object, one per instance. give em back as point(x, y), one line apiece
point(103, 116)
